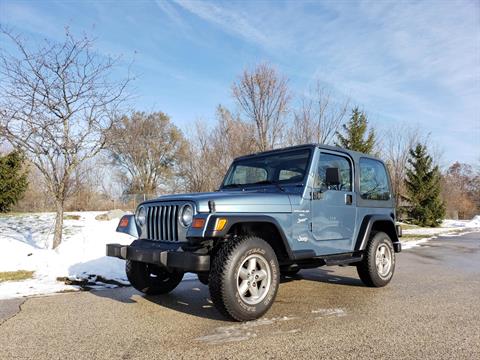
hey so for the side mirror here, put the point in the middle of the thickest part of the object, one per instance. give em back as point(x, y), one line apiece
point(332, 176)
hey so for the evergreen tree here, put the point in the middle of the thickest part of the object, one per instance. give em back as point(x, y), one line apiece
point(355, 135)
point(13, 179)
point(423, 189)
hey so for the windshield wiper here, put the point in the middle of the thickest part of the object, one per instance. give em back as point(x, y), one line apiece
point(269, 182)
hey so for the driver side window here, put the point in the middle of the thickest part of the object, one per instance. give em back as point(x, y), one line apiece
point(334, 161)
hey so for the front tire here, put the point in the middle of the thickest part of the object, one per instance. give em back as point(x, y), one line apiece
point(378, 265)
point(151, 279)
point(244, 278)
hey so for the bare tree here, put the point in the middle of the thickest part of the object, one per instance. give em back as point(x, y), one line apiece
point(263, 97)
point(147, 149)
point(56, 102)
point(460, 190)
point(318, 118)
point(397, 141)
point(212, 150)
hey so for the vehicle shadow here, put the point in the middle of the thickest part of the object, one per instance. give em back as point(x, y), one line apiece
point(193, 298)
point(190, 297)
point(328, 275)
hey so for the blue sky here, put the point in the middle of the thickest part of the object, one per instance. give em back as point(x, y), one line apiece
point(412, 62)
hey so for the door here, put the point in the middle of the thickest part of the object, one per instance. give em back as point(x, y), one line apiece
point(333, 205)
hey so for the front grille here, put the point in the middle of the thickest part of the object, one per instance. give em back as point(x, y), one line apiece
point(162, 222)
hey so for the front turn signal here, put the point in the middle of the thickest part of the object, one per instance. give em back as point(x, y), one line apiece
point(220, 224)
point(198, 223)
point(123, 222)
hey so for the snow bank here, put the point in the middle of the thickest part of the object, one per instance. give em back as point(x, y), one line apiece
point(25, 241)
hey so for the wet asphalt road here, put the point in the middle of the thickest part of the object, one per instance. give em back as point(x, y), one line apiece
point(430, 310)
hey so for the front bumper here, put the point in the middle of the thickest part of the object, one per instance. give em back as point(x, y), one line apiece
point(162, 254)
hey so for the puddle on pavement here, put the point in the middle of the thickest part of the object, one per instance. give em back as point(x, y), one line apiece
point(253, 329)
point(244, 331)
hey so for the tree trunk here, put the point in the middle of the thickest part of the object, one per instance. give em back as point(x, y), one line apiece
point(57, 237)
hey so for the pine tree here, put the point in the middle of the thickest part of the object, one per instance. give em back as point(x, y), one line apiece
point(423, 189)
point(356, 137)
point(13, 179)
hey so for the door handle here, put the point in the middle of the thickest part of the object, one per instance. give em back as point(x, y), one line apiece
point(348, 199)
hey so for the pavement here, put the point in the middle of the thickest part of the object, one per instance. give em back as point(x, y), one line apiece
point(430, 310)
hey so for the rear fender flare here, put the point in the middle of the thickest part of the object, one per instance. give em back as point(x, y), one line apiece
point(384, 222)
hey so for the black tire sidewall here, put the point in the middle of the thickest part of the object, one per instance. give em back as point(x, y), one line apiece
point(234, 304)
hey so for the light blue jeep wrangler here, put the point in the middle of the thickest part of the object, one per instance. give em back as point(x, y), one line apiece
point(276, 213)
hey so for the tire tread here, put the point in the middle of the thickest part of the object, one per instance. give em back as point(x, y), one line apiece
point(218, 271)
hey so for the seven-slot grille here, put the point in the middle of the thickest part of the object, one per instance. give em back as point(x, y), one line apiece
point(162, 222)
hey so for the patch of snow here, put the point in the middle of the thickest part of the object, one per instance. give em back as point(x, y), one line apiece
point(474, 223)
point(413, 243)
point(329, 312)
point(427, 231)
point(25, 241)
point(448, 228)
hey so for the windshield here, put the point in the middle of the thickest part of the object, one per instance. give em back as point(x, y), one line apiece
point(281, 168)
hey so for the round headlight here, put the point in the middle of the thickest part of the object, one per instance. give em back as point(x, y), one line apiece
point(141, 216)
point(186, 215)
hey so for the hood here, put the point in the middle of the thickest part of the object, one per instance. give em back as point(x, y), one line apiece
point(235, 201)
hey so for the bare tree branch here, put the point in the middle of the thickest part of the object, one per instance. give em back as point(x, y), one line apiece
point(397, 142)
point(263, 97)
point(212, 150)
point(318, 118)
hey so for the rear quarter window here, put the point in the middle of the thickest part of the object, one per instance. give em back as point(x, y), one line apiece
point(373, 180)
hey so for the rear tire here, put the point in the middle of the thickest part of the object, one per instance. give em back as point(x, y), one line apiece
point(244, 278)
point(378, 265)
point(151, 279)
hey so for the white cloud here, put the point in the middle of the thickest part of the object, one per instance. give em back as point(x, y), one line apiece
point(233, 22)
point(172, 13)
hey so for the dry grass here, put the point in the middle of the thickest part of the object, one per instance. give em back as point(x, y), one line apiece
point(15, 275)
point(414, 236)
point(409, 226)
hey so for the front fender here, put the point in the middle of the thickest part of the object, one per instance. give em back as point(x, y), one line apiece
point(127, 225)
point(211, 219)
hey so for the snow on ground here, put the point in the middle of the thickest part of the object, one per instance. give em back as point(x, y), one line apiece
point(25, 241)
point(420, 235)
